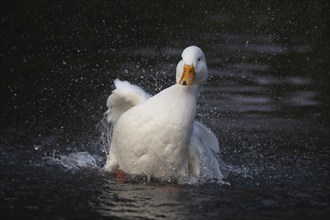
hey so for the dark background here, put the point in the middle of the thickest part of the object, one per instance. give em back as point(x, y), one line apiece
point(267, 101)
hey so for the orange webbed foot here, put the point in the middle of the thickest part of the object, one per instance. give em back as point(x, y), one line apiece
point(121, 176)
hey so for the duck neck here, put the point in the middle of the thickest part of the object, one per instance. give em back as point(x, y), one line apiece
point(185, 104)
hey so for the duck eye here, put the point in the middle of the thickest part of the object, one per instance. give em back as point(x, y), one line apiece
point(199, 59)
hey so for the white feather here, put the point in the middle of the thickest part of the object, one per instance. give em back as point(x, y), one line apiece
point(124, 97)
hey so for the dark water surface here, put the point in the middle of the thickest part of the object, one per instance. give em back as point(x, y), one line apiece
point(266, 100)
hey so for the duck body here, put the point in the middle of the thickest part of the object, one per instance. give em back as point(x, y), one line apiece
point(153, 137)
point(158, 135)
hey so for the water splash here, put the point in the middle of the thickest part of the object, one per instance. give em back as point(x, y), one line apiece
point(105, 130)
point(75, 161)
point(83, 159)
point(234, 169)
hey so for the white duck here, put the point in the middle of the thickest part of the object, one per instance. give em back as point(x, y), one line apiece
point(158, 135)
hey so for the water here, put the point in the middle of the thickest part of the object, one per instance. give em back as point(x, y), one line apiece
point(266, 100)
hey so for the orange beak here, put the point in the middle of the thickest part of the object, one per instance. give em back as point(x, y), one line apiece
point(188, 75)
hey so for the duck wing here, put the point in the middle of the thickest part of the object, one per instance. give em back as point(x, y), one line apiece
point(124, 97)
point(202, 161)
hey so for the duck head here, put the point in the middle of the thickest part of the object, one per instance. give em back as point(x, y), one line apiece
point(192, 69)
